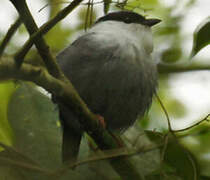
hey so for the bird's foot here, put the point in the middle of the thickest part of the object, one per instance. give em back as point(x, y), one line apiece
point(101, 120)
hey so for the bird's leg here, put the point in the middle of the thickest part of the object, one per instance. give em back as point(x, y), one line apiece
point(102, 123)
point(117, 138)
point(101, 120)
point(114, 135)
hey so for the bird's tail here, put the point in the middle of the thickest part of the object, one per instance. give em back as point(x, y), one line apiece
point(70, 144)
point(72, 134)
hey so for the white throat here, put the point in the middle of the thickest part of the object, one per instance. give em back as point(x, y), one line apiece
point(139, 34)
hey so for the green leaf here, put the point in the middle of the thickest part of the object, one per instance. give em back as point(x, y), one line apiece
point(205, 178)
point(33, 118)
point(6, 90)
point(141, 5)
point(171, 55)
point(177, 160)
point(201, 36)
point(175, 108)
point(106, 6)
point(181, 159)
point(56, 41)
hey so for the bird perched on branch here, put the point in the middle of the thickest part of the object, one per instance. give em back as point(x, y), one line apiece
point(113, 71)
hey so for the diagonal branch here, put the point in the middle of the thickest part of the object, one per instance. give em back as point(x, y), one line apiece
point(9, 35)
point(69, 96)
point(40, 44)
point(64, 91)
point(44, 29)
point(56, 83)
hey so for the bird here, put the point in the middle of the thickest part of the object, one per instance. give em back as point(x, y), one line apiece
point(112, 69)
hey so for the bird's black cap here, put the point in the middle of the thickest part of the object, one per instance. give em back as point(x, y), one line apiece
point(128, 17)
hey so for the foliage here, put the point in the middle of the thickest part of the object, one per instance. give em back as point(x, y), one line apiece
point(200, 36)
point(29, 120)
point(6, 90)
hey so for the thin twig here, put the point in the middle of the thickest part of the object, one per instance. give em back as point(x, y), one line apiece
point(41, 45)
point(108, 154)
point(176, 68)
point(196, 124)
point(91, 14)
point(134, 144)
point(194, 166)
point(166, 139)
point(44, 29)
point(21, 155)
point(50, 24)
point(9, 35)
point(24, 165)
point(85, 4)
point(69, 96)
point(87, 16)
point(165, 111)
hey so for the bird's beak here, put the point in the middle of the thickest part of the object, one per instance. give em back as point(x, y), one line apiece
point(152, 22)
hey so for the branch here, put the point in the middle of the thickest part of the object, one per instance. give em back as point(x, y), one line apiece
point(64, 91)
point(9, 35)
point(194, 125)
point(164, 68)
point(108, 154)
point(22, 161)
point(24, 165)
point(56, 83)
point(69, 96)
point(40, 44)
point(165, 112)
point(29, 164)
point(44, 29)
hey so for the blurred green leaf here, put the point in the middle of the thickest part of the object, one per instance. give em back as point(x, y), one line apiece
point(106, 6)
point(175, 108)
point(201, 36)
point(58, 37)
point(11, 174)
point(6, 134)
point(181, 159)
point(155, 137)
point(149, 3)
point(197, 140)
point(168, 30)
point(13, 164)
point(161, 177)
point(33, 118)
point(142, 5)
point(171, 55)
point(54, 7)
point(177, 157)
point(22, 30)
point(37, 131)
point(83, 20)
point(205, 178)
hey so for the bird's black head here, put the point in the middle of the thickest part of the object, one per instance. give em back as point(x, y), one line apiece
point(128, 17)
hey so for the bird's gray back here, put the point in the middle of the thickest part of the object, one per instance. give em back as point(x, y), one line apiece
point(108, 81)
